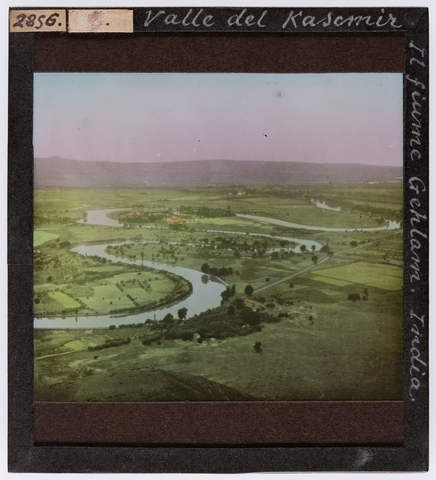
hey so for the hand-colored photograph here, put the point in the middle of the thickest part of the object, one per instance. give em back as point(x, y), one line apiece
point(218, 237)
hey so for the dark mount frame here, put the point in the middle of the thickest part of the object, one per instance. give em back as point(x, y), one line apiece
point(55, 437)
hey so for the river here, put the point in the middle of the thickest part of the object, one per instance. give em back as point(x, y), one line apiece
point(206, 294)
point(392, 225)
point(206, 291)
point(100, 217)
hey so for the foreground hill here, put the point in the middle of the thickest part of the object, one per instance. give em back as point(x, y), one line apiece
point(59, 172)
point(142, 384)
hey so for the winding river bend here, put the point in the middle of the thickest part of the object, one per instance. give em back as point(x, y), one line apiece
point(206, 294)
point(207, 289)
point(274, 221)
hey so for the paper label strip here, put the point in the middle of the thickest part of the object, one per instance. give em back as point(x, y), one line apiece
point(37, 21)
point(100, 21)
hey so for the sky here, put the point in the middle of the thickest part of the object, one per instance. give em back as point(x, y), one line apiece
point(153, 117)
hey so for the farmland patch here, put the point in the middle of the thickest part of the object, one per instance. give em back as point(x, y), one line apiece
point(319, 277)
point(65, 300)
point(387, 277)
point(75, 345)
point(40, 237)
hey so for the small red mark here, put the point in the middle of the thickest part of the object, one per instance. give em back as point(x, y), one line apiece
point(95, 19)
point(107, 24)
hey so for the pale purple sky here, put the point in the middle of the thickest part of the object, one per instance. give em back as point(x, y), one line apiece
point(325, 118)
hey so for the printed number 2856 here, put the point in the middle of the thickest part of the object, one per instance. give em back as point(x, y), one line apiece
point(30, 21)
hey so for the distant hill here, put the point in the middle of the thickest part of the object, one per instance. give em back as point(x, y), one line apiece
point(57, 171)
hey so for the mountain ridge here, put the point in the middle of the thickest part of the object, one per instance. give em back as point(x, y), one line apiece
point(57, 171)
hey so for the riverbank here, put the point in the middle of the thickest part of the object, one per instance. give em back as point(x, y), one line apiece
point(224, 249)
point(338, 306)
point(324, 351)
point(89, 285)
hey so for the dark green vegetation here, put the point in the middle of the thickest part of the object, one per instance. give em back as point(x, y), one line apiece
point(219, 323)
point(327, 323)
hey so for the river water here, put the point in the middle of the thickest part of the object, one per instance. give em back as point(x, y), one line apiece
point(392, 225)
point(324, 206)
point(100, 217)
point(206, 294)
point(206, 289)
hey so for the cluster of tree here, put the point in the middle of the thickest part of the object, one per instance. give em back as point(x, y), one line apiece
point(110, 343)
point(220, 323)
point(256, 248)
point(39, 220)
point(149, 340)
point(218, 272)
point(132, 283)
point(133, 218)
point(88, 276)
point(276, 191)
point(206, 212)
point(280, 300)
point(354, 297)
point(228, 293)
point(131, 325)
point(283, 253)
point(133, 300)
point(44, 261)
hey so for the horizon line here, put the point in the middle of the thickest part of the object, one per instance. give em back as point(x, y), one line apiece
point(216, 160)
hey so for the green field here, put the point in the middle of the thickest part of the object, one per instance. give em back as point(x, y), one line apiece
point(40, 237)
point(68, 284)
point(332, 281)
point(329, 321)
point(65, 300)
point(386, 277)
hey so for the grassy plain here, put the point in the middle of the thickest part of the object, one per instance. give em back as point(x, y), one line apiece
point(40, 237)
point(386, 277)
point(335, 316)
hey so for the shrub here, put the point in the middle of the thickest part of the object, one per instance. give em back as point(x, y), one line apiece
point(353, 297)
point(187, 336)
point(248, 290)
point(239, 303)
